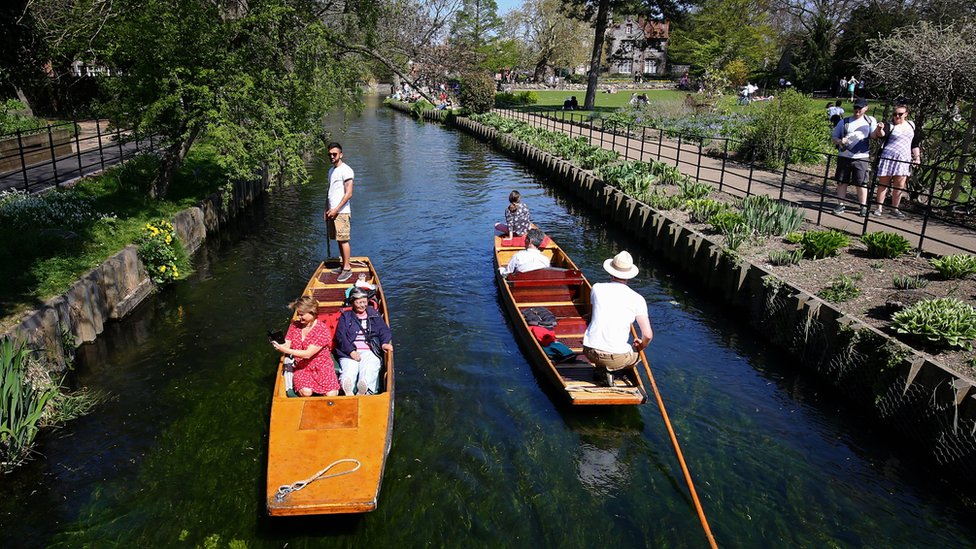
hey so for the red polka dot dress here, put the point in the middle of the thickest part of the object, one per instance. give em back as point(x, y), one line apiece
point(316, 373)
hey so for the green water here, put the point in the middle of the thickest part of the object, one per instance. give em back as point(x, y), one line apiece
point(482, 454)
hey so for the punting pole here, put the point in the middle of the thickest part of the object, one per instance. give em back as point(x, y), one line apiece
point(677, 450)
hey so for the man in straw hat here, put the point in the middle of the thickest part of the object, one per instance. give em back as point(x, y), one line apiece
point(615, 308)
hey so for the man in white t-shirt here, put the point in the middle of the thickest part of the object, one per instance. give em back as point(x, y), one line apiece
point(615, 307)
point(851, 136)
point(529, 259)
point(337, 210)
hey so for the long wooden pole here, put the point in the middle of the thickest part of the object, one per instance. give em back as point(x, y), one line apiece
point(677, 450)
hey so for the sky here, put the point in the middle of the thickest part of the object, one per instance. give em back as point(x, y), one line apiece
point(505, 6)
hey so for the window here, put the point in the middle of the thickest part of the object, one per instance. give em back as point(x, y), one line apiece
point(624, 66)
point(650, 66)
point(630, 29)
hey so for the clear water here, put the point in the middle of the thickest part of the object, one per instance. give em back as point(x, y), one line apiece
point(482, 454)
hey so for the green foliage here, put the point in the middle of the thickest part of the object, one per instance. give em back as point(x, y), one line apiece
point(909, 282)
point(820, 244)
point(785, 257)
point(725, 221)
point(767, 217)
point(785, 130)
point(886, 245)
point(945, 322)
point(477, 92)
point(631, 176)
point(21, 405)
point(735, 235)
point(794, 237)
point(161, 252)
point(660, 200)
point(701, 210)
point(418, 107)
point(692, 190)
point(723, 31)
point(510, 99)
point(955, 266)
point(13, 119)
point(840, 290)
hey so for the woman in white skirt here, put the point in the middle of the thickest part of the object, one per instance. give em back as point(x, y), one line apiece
point(899, 154)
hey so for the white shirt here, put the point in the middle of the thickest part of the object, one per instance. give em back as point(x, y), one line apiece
point(337, 188)
point(615, 308)
point(529, 259)
point(858, 132)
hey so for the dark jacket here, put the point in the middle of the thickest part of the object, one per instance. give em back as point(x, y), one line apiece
point(349, 326)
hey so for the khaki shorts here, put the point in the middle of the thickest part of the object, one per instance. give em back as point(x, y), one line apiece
point(611, 361)
point(339, 228)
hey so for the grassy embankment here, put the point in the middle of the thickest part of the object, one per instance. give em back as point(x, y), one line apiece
point(50, 241)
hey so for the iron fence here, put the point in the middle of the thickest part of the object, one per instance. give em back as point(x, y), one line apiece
point(934, 222)
point(58, 153)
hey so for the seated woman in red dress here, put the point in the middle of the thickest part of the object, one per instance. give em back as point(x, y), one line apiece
point(309, 340)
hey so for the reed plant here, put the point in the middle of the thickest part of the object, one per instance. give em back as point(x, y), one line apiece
point(768, 217)
point(21, 405)
point(701, 210)
point(692, 190)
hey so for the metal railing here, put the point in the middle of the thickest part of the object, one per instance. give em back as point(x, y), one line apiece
point(933, 221)
point(58, 153)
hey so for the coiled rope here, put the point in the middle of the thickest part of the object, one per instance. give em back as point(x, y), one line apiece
point(286, 489)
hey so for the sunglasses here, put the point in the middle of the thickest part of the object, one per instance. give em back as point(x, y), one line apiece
point(333, 155)
point(900, 113)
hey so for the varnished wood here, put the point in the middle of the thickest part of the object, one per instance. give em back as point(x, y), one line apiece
point(308, 434)
point(565, 292)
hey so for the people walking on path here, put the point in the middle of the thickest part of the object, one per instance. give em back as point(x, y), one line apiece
point(899, 154)
point(615, 308)
point(338, 212)
point(852, 138)
point(851, 85)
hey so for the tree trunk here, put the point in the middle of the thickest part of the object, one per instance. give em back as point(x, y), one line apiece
point(23, 99)
point(598, 38)
point(967, 143)
point(170, 163)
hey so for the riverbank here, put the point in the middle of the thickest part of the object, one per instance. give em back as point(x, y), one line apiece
point(903, 388)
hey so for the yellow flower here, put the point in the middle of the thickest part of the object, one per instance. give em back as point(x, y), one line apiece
point(162, 268)
point(169, 239)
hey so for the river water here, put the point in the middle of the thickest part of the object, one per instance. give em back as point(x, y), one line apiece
point(482, 454)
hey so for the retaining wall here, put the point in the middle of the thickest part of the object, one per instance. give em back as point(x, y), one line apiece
point(931, 406)
point(114, 288)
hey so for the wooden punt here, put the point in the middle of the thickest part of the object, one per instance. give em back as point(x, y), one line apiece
point(563, 290)
point(309, 434)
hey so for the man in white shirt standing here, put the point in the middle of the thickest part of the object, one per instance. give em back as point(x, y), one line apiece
point(337, 212)
point(529, 259)
point(852, 138)
point(615, 307)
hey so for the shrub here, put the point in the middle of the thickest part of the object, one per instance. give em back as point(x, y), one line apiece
point(786, 130)
point(691, 190)
point(13, 118)
point(840, 290)
point(886, 245)
point(820, 244)
point(945, 322)
point(161, 252)
point(418, 107)
point(700, 210)
point(794, 237)
point(21, 405)
point(955, 266)
point(909, 282)
point(785, 257)
point(516, 99)
point(660, 200)
point(769, 217)
point(723, 222)
point(477, 92)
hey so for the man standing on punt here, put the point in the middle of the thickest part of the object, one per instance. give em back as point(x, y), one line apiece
point(338, 213)
point(615, 307)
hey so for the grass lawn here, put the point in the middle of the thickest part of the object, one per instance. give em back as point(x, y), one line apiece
point(46, 257)
point(669, 100)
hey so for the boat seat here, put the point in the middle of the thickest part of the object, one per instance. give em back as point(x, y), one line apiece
point(546, 277)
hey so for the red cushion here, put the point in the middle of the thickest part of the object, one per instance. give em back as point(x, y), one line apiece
point(544, 335)
point(519, 242)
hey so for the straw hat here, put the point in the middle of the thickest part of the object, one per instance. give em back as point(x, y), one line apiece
point(621, 266)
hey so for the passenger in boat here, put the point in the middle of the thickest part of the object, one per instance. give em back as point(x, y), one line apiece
point(615, 307)
point(517, 220)
point(361, 337)
point(529, 259)
point(309, 341)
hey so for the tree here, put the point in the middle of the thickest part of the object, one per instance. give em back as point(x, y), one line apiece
point(256, 78)
point(22, 52)
point(855, 35)
point(476, 24)
point(552, 38)
point(598, 12)
point(721, 31)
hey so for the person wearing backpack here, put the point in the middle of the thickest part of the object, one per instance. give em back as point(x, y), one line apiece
point(852, 138)
point(899, 154)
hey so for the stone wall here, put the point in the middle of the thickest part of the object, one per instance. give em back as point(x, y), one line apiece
point(114, 288)
point(933, 407)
